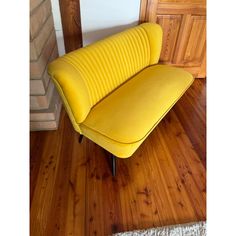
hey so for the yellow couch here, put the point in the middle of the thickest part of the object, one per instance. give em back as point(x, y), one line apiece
point(114, 91)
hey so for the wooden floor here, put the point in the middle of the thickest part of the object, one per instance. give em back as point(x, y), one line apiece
point(73, 192)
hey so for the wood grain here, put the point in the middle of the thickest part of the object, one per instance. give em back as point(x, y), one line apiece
point(164, 182)
point(170, 25)
point(143, 10)
point(203, 70)
point(185, 1)
point(181, 8)
point(184, 27)
point(195, 48)
point(71, 24)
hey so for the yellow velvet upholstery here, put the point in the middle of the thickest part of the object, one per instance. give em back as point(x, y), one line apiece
point(114, 91)
point(128, 117)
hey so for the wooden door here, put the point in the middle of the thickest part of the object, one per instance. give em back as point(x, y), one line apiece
point(184, 32)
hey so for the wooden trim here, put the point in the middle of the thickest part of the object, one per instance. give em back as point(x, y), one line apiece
point(143, 10)
point(146, 14)
point(181, 8)
point(71, 24)
point(202, 73)
point(152, 4)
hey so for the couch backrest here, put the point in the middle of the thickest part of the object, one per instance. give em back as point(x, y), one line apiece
point(85, 76)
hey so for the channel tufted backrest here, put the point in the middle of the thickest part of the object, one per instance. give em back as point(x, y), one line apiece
point(85, 76)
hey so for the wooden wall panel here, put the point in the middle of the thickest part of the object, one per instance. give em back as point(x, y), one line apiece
point(171, 26)
point(178, 8)
point(184, 1)
point(195, 48)
point(184, 27)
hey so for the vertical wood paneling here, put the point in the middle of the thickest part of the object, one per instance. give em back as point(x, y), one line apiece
point(171, 26)
point(184, 27)
point(41, 205)
point(76, 202)
point(195, 48)
point(150, 15)
point(185, 30)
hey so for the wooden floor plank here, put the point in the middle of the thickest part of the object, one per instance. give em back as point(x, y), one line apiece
point(181, 203)
point(75, 218)
point(181, 157)
point(73, 192)
point(59, 204)
point(41, 205)
point(36, 151)
point(191, 112)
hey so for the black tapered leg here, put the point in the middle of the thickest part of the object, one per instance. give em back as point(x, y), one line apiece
point(113, 165)
point(80, 138)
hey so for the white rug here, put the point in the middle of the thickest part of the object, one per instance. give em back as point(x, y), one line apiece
point(190, 229)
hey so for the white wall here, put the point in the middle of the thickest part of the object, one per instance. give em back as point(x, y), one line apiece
point(100, 18)
point(58, 26)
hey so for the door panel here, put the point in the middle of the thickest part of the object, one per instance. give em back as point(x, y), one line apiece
point(184, 28)
point(171, 26)
point(195, 47)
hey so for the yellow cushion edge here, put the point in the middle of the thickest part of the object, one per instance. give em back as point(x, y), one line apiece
point(120, 150)
point(155, 35)
point(68, 79)
point(67, 106)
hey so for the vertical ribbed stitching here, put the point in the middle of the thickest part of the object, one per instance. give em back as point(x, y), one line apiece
point(140, 49)
point(72, 63)
point(102, 74)
point(94, 82)
point(84, 62)
point(126, 55)
point(129, 51)
point(117, 58)
point(143, 48)
point(117, 48)
point(136, 48)
point(148, 44)
point(85, 72)
point(108, 54)
point(114, 65)
point(121, 46)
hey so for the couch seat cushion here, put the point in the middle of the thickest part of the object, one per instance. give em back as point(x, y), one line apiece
point(130, 112)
